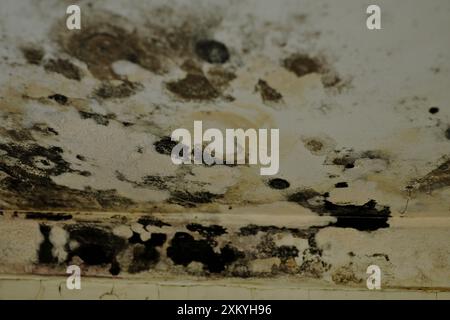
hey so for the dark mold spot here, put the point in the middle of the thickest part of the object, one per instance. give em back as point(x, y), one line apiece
point(383, 255)
point(165, 145)
point(193, 87)
point(366, 217)
point(314, 145)
point(433, 110)
point(278, 183)
point(123, 90)
point(98, 118)
point(146, 221)
point(61, 99)
point(184, 249)
point(447, 133)
point(50, 216)
point(145, 253)
point(115, 268)
point(341, 185)
point(268, 94)
point(302, 65)
point(208, 232)
point(97, 246)
point(45, 249)
point(33, 55)
point(80, 157)
point(212, 51)
point(191, 199)
point(64, 67)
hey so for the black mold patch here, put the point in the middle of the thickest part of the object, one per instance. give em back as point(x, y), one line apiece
point(145, 221)
point(97, 246)
point(341, 185)
point(212, 51)
point(208, 232)
point(193, 87)
point(366, 217)
point(61, 99)
point(253, 229)
point(64, 67)
point(45, 250)
point(279, 184)
point(145, 254)
point(184, 249)
point(44, 129)
point(98, 118)
point(188, 199)
point(165, 145)
point(447, 133)
point(50, 216)
point(433, 110)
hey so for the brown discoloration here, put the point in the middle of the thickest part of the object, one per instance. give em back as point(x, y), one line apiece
point(302, 65)
point(437, 179)
point(193, 87)
point(268, 94)
point(123, 90)
point(64, 67)
point(220, 78)
point(33, 55)
point(314, 145)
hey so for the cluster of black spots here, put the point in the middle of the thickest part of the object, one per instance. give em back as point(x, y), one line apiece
point(285, 252)
point(253, 229)
point(366, 217)
point(45, 249)
point(98, 118)
point(278, 183)
point(301, 65)
point(192, 199)
point(341, 185)
point(184, 249)
point(152, 221)
point(209, 232)
point(212, 51)
point(433, 110)
point(50, 216)
point(165, 145)
point(145, 253)
point(96, 246)
point(59, 98)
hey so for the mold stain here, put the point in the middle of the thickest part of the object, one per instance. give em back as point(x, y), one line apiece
point(184, 249)
point(193, 87)
point(268, 94)
point(123, 90)
point(49, 216)
point(96, 246)
point(192, 199)
point(45, 250)
point(436, 179)
point(33, 55)
point(63, 67)
point(145, 254)
point(366, 217)
point(212, 51)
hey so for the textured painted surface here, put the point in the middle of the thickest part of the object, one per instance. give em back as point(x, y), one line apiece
point(364, 123)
